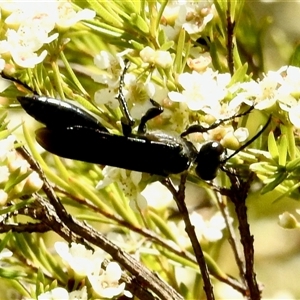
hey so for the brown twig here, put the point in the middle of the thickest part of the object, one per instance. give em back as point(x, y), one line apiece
point(179, 197)
point(238, 195)
point(230, 45)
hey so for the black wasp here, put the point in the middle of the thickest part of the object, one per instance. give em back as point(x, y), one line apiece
point(73, 133)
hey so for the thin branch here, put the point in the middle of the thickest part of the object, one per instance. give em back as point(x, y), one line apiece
point(230, 34)
point(238, 195)
point(179, 198)
point(28, 227)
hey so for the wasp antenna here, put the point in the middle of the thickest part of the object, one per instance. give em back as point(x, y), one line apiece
point(249, 142)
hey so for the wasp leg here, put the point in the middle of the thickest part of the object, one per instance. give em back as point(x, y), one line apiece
point(127, 120)
point(151, 113)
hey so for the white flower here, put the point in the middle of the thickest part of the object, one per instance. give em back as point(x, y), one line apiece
point(67, 16)
point(287, 102)
point(128, 182)
point(60, 13)
point(210, 230)
point(207, 230)
point(22, 45)
point(174, 17)
point(110, 174)
point(157, 196)
point(80, 260)
point(29, 31)
point(140, 108)
point(19, 163)
point(268, 90)
point(264, 93)
point(241, 134)
point(163, 59)
point(232, 139)
point(106, 283)
point(138, 93)
point(112, 67)
point(202, 90)
point(198, 18)
point(40, 17)
point(106, 96)
point(55, 294)
point(34, 24)
point(137, 202)
point(193, 17)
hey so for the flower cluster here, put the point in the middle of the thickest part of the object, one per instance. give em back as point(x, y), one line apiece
point(279, 87)
point(83, 264)
point(29, 28)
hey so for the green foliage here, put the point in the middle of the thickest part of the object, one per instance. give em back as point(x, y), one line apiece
point(201, 62)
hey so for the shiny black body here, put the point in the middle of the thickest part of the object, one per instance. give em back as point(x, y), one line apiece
point(73, 133)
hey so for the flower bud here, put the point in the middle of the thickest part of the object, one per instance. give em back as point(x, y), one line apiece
point(32, 184)
point(287, 221)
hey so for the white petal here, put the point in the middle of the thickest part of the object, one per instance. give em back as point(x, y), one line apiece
point(176, 97)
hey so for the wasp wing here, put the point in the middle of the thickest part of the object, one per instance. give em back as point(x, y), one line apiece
point(56, 113)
